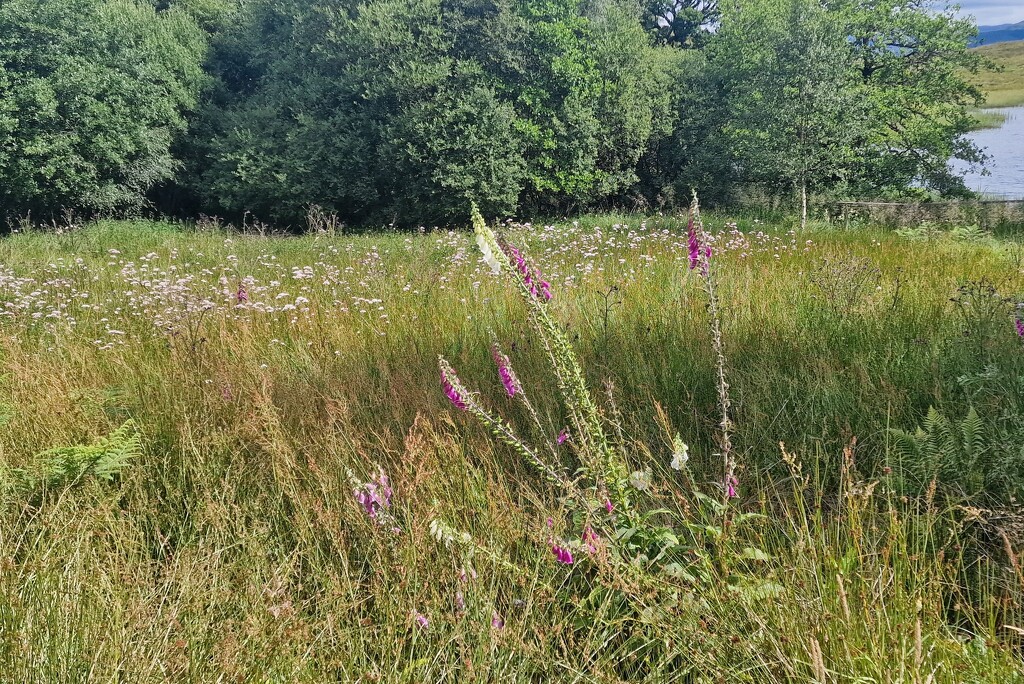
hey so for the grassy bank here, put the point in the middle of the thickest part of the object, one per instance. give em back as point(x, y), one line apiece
point(261, 382)
point(987, 119)
point(1005, 87)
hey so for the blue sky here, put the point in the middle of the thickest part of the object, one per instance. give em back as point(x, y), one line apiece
point(990, 12)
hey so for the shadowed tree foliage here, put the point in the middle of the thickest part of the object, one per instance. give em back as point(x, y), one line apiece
point(685, 23)
point(405, 110)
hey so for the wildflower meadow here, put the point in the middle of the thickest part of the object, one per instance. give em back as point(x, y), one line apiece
point(675, 448)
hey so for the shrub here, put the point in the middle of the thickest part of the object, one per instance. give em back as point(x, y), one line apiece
point(94, 92)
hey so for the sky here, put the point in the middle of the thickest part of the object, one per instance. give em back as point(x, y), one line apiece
point(992, 12)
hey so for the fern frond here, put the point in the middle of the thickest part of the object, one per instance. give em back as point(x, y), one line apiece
point(60, 467)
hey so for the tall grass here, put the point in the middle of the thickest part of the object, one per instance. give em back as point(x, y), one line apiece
point(270, 378)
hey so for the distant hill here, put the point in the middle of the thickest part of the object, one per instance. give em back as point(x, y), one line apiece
point(1004, 33)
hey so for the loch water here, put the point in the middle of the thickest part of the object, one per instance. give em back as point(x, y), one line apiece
point(1005, 146)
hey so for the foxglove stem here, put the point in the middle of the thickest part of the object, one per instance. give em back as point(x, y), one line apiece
point(601, 461)
point(724, 403)
point(454, 388)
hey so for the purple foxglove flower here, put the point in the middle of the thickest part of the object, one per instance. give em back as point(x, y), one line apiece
point(563, 437)
point(562, 554)
point(460, 602)
point(505, 372)
point(421, 621)
point(537, 286)
point(364, 500)
point(589, 540)
point(374, 496)
point(608, 506)
point(692, 242)
point(496, 621)
point(453, 394)
point(1019, 324)
point(730, 486)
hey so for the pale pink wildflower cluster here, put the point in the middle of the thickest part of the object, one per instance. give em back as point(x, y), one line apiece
point(374, 496)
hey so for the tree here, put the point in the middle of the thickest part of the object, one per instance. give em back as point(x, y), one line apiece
point(792, 117)
point(913, 63)
point(407, 110)
point(683, 23)
point(92, 93)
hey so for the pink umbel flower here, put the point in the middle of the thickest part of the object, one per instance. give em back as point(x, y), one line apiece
point(451, 392)
point(505, 372)
point(421, 620)
point(563, 436)
point(562, 554)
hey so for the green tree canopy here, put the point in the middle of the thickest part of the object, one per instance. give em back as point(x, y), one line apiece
point(913, 61)
point(853, 97)
point(792, 106)
point(405, 110)
point(92, 93)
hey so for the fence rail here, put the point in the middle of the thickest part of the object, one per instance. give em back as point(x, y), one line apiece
point(984, 213)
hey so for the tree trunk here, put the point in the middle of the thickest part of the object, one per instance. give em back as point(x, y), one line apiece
point(803, 203)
